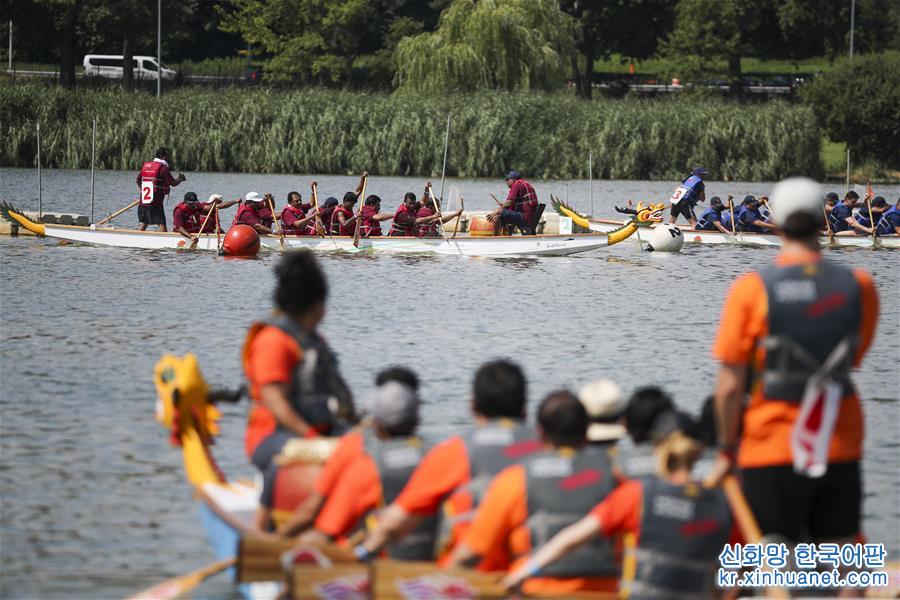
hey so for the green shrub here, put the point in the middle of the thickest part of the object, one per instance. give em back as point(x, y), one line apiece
point(858, 103)
point(324, 131)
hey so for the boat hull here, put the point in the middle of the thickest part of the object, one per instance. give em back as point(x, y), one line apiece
point(695, 236)
point(539, 245)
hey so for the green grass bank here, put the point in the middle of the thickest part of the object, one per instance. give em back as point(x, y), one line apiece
point(324, 131)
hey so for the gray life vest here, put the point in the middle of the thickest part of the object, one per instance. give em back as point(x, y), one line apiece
point(490, 448)
point(396, 459)
point(562, 487)
point(815, 313)
point(683, 530)
point(318, 393)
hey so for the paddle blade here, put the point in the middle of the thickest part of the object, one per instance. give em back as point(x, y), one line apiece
point(178, 586)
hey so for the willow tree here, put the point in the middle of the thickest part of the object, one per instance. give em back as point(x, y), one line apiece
point(489, 44)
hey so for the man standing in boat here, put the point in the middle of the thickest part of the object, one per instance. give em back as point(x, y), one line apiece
point(154, 181)
point(687, 195)
point(518, 209)
point(791, 333)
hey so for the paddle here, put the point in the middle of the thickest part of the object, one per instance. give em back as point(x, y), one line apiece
point(275, 220)
point(437, 211)
point(497, 201)
point(218, 229)
point(320, 228)
point(746, 522)
point(831, 241)
point(462, 205)
point(361, 199)
point(869, 195)
point(178, 586)
point(731, 210)
point(118, 212)
point(196, 236)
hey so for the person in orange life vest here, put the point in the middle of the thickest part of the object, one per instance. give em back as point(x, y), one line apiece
point(527, 503)
point(680, 529)
point(791, 333)
point(518, 209)
point(372, 217)
point(326, 210)
point(431, 228)
point(188, 216)
point(391, 453)
point(451, 479)
point(295, 385)
point(349, 449)
point(154, 181)
point(250, 212)
point(294, 217)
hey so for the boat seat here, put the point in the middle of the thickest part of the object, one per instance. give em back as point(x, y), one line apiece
point(538, 213)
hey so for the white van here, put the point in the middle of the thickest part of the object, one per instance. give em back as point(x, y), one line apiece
point(110, 65)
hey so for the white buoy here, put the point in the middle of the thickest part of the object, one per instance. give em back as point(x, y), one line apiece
point(665, 238)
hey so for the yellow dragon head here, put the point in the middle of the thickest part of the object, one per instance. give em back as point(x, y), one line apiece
point(646, 215)
point(182, 403)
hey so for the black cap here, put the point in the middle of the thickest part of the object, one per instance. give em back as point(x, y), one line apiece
point(513, 175)
point(748, 198)
point(190, 197)
point(833, 196)
point(715, 201)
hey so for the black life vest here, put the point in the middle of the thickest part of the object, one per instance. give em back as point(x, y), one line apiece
point(683, 530)
point(396, 459)
point(318, 393)
point(563, 486)
point(814, 311)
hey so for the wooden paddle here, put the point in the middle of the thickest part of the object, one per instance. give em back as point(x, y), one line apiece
point(497, 201)
point(831, 241)
point(178, 586)
point(731, 210)
point(361, 199)
point(196, 236)
point(275, 220)
point(320, 228)
point(462, 205)
point(218, 229)
point(869, 195)
point(437, 210)
point(746, 522)
point(118, 212)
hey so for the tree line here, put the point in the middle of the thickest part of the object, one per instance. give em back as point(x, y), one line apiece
point(453, 45)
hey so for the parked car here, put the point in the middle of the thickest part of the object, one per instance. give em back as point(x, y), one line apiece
point(111, 66)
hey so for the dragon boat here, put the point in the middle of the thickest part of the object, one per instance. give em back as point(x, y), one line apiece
point(700, 236)
point(265, 568)
point(460, 245)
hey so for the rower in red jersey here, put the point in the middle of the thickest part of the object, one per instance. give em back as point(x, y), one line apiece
point(372, 217)
point(343, 219)
point(431, 226)
point(250, 212)
point(189, 216)
point(294, 218)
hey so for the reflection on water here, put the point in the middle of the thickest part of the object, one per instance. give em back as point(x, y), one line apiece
point(94, 500)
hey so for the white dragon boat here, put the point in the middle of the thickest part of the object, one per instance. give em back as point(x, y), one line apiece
point(701, 236)
point(461, 245)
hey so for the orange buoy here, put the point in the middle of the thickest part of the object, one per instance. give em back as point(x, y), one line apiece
point(480, 227)
point(241, 240)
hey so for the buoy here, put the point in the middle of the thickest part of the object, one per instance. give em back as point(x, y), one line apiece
point(665, 238)
point(480, 227)
point(241, 240)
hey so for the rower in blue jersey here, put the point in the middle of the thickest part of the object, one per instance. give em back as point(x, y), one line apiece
point(889, 224)
point(749, 219)
point(879, 207)
point(712, 217)
point(687, 195)
point(842, 220)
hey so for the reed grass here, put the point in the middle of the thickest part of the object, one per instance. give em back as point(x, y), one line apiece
point(326, 131)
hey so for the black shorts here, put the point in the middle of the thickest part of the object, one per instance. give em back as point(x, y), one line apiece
point(684, 209)
point(151, 214)
point(800, 508)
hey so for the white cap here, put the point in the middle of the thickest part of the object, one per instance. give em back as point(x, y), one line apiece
point(602, 400)
point(393, 404)
point(253, 197)
point(214, 197)
point(797, 194)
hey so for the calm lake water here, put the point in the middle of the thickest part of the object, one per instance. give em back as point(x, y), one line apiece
point(94, 502)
